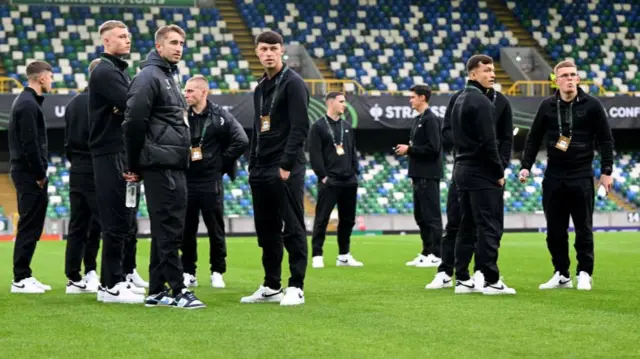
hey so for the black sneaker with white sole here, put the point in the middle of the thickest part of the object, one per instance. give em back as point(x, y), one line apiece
point(162, 299)
point(188, 300)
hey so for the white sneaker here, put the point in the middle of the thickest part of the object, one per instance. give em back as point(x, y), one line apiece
point(26, 286)
point(93, 281)
point(136, 289)
point(478, 279)
point(584, 281)
point(317, 262)
point(121, 293)
point(45, 287)
point(442, 280)
point(79, 287)
point(264, 295)
point(292, 296)
point(430, 261)
point(135, 279)
point(420, 258)
point(556, 282)
point(217, 281)
point(347, 260)
point(190, 280)
point(465, 287)
point(100, 295)
point(498, 288)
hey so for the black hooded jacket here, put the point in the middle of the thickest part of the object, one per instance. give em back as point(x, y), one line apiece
point(76, 133)
point(156, 132)
point(108, 84)
point(503, 120)
point(223, 143)
point(590, 127)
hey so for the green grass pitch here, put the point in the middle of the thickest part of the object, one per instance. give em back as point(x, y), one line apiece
point(379, 311)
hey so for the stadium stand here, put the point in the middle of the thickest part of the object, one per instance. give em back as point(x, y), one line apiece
point(384, 187)
point(387, 45)
point(67, 37)
point(602, 37)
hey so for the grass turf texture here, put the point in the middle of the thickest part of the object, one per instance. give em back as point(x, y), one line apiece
point(379, 311)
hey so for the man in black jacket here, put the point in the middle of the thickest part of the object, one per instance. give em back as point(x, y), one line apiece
point(479, 176)
point(83, 239)
point(217, 141)
point(504, 134)
point(157, 140)
point(108, 86)
point(425, 170)
point(276, 172)
point(569, 124)
point(332, 151)
point(29, 162)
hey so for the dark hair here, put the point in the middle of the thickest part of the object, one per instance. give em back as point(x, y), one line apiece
point(270, 37)
point(421, 90)
point(476, 60)
point(332, 95)
point(37, 67)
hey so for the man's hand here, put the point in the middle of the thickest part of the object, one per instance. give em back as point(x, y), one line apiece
point(324, 180)
point(523, 176)
point(501, 182)
point(402, 150)
point(131, 177)
point(42, 183)
point(607, 182)
point(284, 174)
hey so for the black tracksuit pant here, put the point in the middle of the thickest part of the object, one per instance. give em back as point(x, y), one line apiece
point(166, 194)
point(427, 213)
point(276, 201)
point(482, 212)
point(32, 209)
point(451, 232)
point(209, 202)
point(561, 199)
point(118, 222)
point(345, 196)
point(83, 239)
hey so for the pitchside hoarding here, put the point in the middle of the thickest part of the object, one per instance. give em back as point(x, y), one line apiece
point(364, 112)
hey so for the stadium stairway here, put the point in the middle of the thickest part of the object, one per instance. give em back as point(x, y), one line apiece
point(324, 69)
point(525, 39)
point(241, 34)
point(618, 199)
point(8, 198)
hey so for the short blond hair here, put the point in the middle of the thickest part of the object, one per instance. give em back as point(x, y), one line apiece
point(199, 78)
point(110, 25)
point(163, 31)
point(563, 64)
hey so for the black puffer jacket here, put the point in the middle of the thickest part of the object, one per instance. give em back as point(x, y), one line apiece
point(156, 134)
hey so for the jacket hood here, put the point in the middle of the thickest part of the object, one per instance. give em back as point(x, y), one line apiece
point(154, 59)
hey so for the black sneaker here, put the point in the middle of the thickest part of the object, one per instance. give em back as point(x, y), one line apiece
point(188, 300)
point(162, 299)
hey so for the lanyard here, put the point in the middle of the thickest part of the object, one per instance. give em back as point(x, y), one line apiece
point(569, 118)
point(333, 138)
point(414, 129)
point(275, 92)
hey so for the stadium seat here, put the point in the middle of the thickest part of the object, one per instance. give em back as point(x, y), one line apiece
point(601, 36)
point(386, 45)
point(67, 37)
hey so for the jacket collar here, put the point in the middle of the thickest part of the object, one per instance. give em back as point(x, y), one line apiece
point(38, 98)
